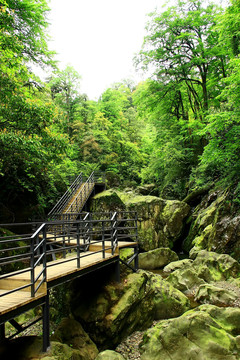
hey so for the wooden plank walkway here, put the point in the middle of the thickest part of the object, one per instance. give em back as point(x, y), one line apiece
point(56, 270)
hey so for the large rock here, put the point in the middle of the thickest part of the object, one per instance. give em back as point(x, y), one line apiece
point(160, 222)
point(70, 332)
point(207, 267)
point(206, 333)
point(109, 355)
point(211, 294)
point(30, 347)
point(156, 259)
point(211, 266)
point(177, 265)
point(215, 226)
point(185, 280)
point(120, 309)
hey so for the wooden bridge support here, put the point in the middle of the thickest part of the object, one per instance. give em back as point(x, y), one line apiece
point(2, 332)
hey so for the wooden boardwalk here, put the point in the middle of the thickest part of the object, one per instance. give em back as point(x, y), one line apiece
point(51, 259)
point(56, 271)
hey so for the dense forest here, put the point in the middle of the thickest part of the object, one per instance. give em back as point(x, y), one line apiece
point(178, 130)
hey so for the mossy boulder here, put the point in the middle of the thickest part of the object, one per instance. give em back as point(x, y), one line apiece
point(212, 266)
point(177, 265)
point(107, 201)
point(120, 309)
point(205, 333)
point(215, 226)
point(160, 222)
point(168, 301)
point(30, 347)
point(185, 279)
point(109, 355)
point(70, 332)
point(156, 259)
point(207, 267)
point(212, 294)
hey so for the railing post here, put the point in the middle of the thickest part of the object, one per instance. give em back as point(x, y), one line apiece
point(78, 245)
point(136, 225)
point(103, 239)
point(46, 323)
point(45, 252)
point(114, 231)
point(32, 266)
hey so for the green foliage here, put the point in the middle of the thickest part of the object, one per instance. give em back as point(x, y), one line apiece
point(179, 129)
point(221, 156)
point(192, 101)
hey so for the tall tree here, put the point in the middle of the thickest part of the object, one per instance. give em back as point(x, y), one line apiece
point(181, 47)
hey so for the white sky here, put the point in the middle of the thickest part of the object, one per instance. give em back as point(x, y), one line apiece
point(99, 38)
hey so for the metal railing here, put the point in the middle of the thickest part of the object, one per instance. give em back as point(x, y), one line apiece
point(20, 254)
point(24, 254)
point(80, 197)
point(62, 202)
point(77, 194)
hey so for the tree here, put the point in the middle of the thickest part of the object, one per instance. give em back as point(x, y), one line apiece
point(181, 46)
point(23, 27)
point(65, 91)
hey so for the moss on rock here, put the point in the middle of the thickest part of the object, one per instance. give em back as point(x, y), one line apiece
point(197, 334)
point(109, 355)
point(156, 259)
point(160, 222)
point(129, 306)
point(70, 332)
point(211, 294)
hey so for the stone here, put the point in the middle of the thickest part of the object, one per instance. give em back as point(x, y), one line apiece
point(120, 309)
point(147, 189)
point(205, 333)
point(211, 266)
point(168, 301)
point(59, 351)
point(30, 347)
point(160, 222)
point(215, 226)
point(156, 259)
point(185, 279)
point(107, 201)
point(109, 355)
point(70, 332)
point(177, 265)
point(211, 294)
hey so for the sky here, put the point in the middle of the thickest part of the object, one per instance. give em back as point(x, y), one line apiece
point(99, 38)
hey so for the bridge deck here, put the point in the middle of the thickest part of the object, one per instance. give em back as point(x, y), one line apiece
point(56, 270)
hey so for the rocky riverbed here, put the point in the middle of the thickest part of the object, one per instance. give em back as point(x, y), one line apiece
point(191, 311)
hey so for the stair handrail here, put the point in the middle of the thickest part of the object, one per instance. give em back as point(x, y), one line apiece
point(86, 190)
point(62, 202)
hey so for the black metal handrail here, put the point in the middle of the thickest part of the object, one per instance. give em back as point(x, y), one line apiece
point(77, 236)
point(62, 202)
point(79, 201)
point(82, 183)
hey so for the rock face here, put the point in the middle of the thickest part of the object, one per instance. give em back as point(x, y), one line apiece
point(160, 222)
point(120, 309)
point(210, 278)
point(156, 259)
point(215, 226)
point(211, 266)
point(30, 347)
point(177, 265)
point(205, 333)
point(208, 293)
point(70, 332)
